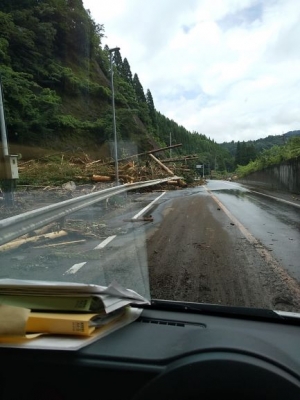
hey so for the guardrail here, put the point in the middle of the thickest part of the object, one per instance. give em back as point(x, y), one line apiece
point(16, 226)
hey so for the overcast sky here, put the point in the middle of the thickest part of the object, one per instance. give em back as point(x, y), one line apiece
point(229, 69)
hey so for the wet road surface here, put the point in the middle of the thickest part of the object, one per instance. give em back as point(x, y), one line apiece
point(273, 222)
point(219, 243)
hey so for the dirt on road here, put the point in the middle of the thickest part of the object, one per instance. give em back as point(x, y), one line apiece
point(196, 253)
point(207, 259)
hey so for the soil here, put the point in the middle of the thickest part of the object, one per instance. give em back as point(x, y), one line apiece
point(195, 254)
point(207, 259)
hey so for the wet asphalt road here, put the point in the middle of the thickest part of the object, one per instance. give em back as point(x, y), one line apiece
point(126, 256)
point(274, 223)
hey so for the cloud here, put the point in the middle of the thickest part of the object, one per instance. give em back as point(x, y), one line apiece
point(227, 69)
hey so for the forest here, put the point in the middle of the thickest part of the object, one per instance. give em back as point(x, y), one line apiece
point(56, 83)
point(55, 76)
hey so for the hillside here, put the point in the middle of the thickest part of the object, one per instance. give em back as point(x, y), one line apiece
point(56, 84)
point(260, 145)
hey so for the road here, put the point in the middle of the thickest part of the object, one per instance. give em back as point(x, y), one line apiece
point(219, 243)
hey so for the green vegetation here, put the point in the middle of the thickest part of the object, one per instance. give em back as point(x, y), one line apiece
point(56, 83)
point(57, 96)
point(260, 145)
point(272, 156)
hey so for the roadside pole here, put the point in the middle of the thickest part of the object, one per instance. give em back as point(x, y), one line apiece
point(9, 167)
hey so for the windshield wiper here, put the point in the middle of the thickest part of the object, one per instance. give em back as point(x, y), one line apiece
point(218, 310)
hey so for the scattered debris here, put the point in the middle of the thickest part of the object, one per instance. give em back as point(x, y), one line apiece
point(149, 219)
point(135, 168)
point(69, 186)
point(60, 244)
point(17, 243)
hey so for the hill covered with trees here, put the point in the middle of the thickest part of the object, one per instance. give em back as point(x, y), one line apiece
point(246, 151)
point(55, 76)
point(272, 156)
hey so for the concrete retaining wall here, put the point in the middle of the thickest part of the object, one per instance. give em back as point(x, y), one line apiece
point(285, 177)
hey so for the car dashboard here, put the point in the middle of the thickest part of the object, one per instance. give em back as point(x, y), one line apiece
point(165, 354)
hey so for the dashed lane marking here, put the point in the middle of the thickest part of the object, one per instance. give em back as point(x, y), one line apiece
point(148, 206)
point(75, 268)
point(105, 242)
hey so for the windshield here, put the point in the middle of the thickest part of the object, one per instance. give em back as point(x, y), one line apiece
point(153, 144)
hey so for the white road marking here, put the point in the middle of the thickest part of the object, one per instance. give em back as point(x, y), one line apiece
point(105, 242)
point(259, 247)
point(230, 183)
point(75, 268)
point(277, 198)
point(148, 206)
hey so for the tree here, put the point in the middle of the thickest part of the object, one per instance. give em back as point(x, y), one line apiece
point(151, 107)
point(117, 61)
point(139, 91)
point(245, 152)
point(126, 71)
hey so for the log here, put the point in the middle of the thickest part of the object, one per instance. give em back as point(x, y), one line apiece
point(167, 160)
point(161, 165)
point(101, 178)
point(126, 177)
point(16, 243)
point(150, 219)
point(45, 229)
point(178, 182)
point(60, 244)
point(181, 183)
point(144, 154)
point(128, 166)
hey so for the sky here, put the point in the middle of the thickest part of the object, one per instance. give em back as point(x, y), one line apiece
point(229, 69)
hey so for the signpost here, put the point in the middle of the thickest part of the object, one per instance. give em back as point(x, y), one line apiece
point(199, 166)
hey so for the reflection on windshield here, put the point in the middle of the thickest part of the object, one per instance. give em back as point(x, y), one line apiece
point(104, 179)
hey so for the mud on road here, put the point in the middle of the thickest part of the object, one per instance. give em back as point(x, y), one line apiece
point(195, 253)
point(199, 255)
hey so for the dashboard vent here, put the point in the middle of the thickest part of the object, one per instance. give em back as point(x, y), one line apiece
point(160, 322)
point(157, 321)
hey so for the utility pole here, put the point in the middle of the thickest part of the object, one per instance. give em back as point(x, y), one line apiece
point(9, 167)
point(2, 122)
point(111, 51)
point(170, 144)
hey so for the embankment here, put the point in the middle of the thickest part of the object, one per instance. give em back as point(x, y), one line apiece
point(284, 177)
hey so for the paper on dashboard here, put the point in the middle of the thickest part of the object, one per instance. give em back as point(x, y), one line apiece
point(65, 342)
point(13, 323)
point(113, 296)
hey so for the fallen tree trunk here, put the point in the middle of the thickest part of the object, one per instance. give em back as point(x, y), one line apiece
point(161, 165)
point(60, 244)
point(45, 229)
point(172, 183)
point(141, 154)
point(149, 219)
point(167, 160)
point(16, 243)
point(101, 178)
point(178, 182)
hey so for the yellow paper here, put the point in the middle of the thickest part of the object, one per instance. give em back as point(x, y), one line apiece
point(13, 320)
point(13, 324)
point(60, 323)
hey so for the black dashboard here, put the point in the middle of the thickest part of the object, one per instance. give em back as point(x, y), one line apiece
point(164, 355)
